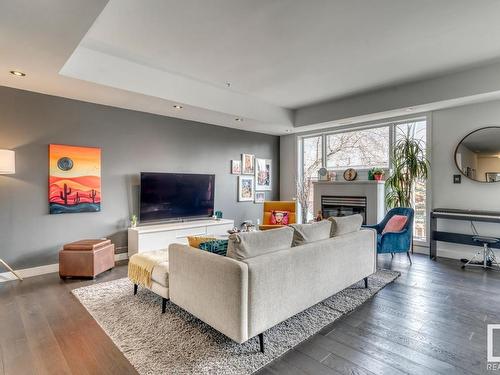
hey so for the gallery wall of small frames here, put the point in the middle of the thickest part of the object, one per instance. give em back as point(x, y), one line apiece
point(254, 177)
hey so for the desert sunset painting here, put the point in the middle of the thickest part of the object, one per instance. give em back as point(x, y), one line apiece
point(74, 179)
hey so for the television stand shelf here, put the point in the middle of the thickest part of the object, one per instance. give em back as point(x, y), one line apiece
point(160, 236)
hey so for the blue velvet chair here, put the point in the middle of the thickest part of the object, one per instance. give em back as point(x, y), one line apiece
point(395, 242)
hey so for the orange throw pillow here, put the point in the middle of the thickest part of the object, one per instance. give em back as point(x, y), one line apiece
point(279, 218)
point(195, 241)
point(395, 224)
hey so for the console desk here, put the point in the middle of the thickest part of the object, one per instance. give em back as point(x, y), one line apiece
point(463, 215)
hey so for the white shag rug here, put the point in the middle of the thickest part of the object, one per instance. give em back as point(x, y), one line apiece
point(178, 343)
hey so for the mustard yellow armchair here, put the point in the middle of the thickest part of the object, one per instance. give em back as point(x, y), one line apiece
point(270, 206)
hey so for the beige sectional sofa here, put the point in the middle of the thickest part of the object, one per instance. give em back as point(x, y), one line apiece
point(270, 280)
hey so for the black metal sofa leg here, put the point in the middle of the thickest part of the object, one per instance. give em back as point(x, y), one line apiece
point(135, 289)
point(261, 342)
point(366, 282)
point(164, 305)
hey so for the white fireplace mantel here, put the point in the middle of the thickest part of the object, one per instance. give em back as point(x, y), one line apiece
point(374, 191)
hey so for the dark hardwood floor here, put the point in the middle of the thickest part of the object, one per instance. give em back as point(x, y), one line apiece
point(431, 320)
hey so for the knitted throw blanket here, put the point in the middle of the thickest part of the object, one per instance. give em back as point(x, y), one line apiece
point(140, 266)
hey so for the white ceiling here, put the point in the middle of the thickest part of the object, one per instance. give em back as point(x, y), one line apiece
point(277, 54)
point(294, 53)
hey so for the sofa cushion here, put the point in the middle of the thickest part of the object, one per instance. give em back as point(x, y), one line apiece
point(305, 233)
point(345, 224)
point(251, 244)
point(160, 274)
point(395, 224)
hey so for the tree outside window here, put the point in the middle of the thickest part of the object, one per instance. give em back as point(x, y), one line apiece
point(363, 149)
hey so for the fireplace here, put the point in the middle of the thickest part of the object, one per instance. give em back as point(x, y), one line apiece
point(343, 206)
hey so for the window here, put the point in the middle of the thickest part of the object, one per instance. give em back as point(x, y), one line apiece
point(418, 131)
point(359, 149)
point(312, 156)
point(364, 149)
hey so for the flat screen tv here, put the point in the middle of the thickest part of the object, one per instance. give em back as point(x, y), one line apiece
point(174, 196)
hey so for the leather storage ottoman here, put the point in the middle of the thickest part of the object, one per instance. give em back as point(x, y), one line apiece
point(86, 258)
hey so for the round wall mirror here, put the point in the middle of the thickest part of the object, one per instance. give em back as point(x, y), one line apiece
point(477, 155)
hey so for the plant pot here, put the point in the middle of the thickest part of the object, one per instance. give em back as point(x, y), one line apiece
point(378, 177)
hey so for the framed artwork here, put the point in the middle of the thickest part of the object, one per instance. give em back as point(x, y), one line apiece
point(74, 179)
point(245, 188)
point(260, 197)
point(263, 174)
point(247, 164)
point(235, 166)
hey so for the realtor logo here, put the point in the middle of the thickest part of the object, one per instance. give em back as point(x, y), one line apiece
point(493, 346)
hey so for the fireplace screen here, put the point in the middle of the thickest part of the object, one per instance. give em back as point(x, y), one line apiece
point(343, 206)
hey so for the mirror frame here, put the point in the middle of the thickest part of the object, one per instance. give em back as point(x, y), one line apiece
point(458, 145)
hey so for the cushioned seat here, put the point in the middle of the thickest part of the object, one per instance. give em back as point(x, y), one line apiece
point(151, 270)
point(160, 274)
point(398, 240)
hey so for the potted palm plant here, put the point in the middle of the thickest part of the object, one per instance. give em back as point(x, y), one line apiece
point(409, 164)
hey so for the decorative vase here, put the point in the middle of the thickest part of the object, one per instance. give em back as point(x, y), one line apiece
point(378, 177)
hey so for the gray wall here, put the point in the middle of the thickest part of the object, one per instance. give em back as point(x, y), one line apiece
point(448, 128)
point(131, 142)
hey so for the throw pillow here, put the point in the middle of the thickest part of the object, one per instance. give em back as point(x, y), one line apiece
point(395, 224)
point(251, 244)
point(279, 218)
point(305, 233)
point(195, 241)
point(216, 246)
point(345, 224)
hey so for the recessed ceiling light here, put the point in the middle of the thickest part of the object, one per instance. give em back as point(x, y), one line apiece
point(178, 106)
point(17, 73)
point(239, 119)
point(288, 130)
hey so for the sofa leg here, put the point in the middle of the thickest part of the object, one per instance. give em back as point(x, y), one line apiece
point(164, 305)
point(135, 289)
point(366, 282)
point(261, 342)
point(409, 257)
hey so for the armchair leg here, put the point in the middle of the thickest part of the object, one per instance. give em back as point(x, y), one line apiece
point(409, 257)
point(366, 282)
point(392, 255)
point(261, 342)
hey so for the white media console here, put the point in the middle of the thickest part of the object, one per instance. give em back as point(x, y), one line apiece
point(160, 236)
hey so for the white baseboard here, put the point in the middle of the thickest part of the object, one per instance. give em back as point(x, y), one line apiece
point(122, 256)
point(421, 249)
point(30, 272)
point(42, 270)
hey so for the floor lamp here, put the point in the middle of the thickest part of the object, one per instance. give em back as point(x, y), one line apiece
point(8, 166)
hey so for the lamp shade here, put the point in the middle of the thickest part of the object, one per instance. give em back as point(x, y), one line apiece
point(7, 162)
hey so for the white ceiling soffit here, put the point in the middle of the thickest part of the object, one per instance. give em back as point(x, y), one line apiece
point(105, 69)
